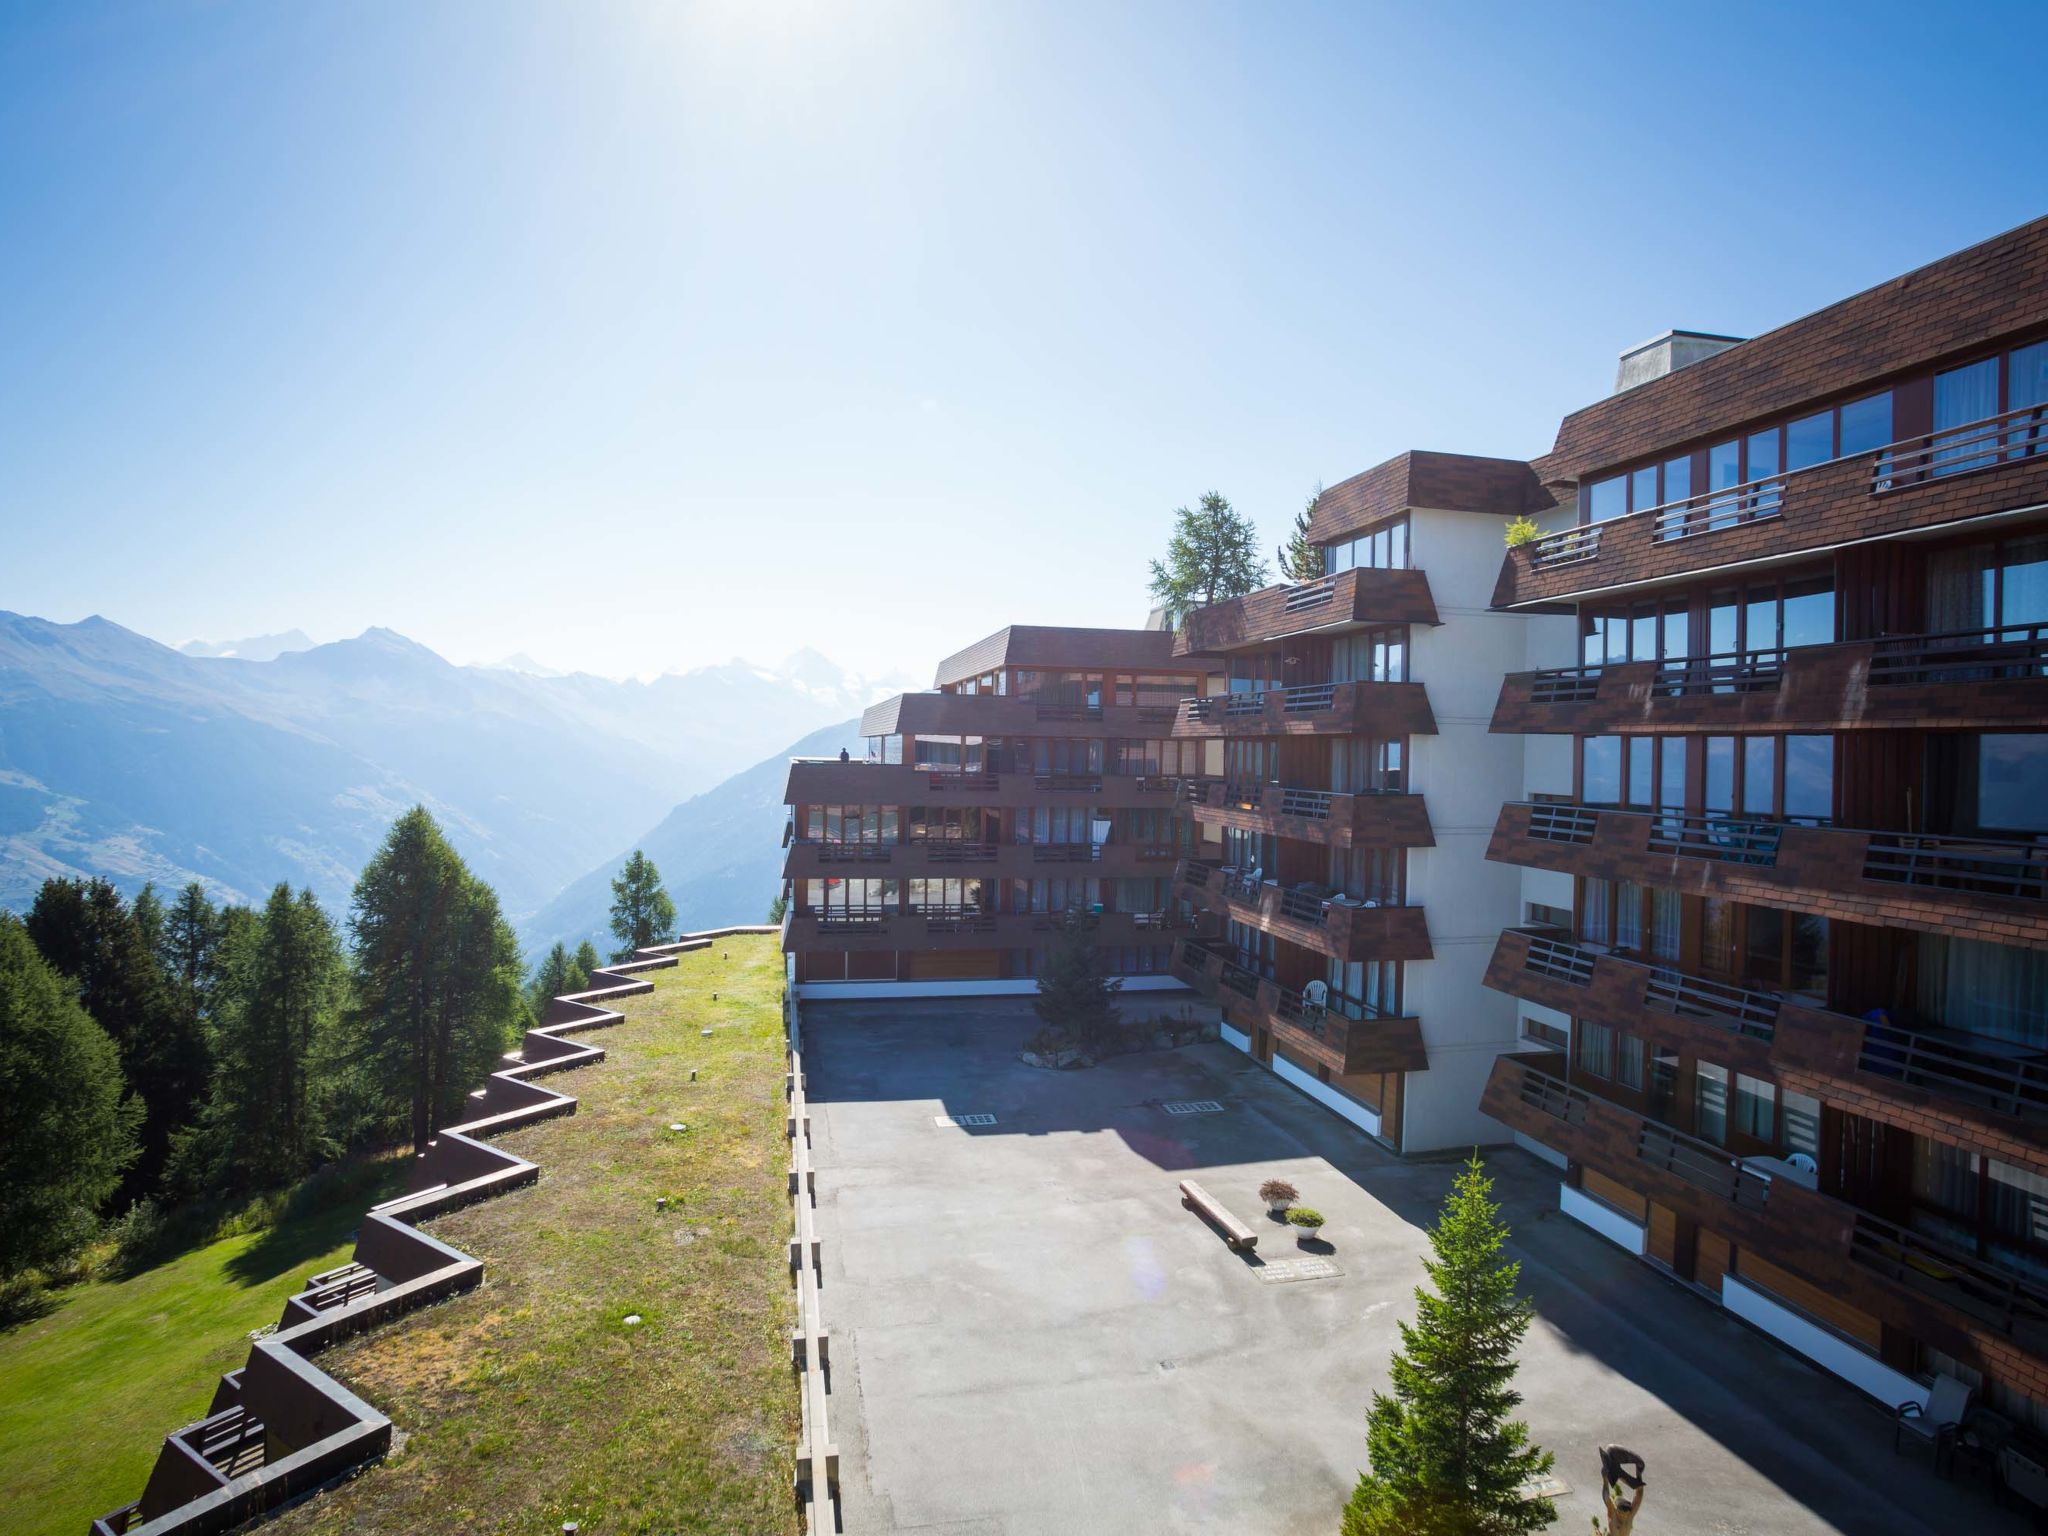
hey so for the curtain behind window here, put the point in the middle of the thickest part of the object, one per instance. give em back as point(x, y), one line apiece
point(1996, 990)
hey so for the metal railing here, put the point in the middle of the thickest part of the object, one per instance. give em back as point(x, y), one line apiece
point(1553, 1096)
point(1999, 1083)
point(1309, 698)
point(1981, 868)
point(1722, 672)
point(1242, 794)
point(1711, 511)
point(1314, 804)
point(1715, 836)
point(985, 779)
point(2015, 434)
point(1562, 823)
point(830, 852)
point(1565, 685)
point(1316, 594)
point(1068, 783)
point(1567, 546)
point(1305, 907)
point(2007, 654)
point(1194, 872)
point(1559, 961)
point(1065, 853)
point(961, 921)
point(850, 919)
point(2008, 1302)
point(1743, 1009)
point(1702, 1165)
point(1244, 982)
point(948, 850)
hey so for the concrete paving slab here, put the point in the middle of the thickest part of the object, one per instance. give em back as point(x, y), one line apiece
point(1031, 1335)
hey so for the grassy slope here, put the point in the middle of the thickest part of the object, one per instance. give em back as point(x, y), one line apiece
point(529, 1402)
point(88, 1393)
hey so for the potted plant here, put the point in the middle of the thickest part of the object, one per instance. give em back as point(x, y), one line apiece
point(1519, 531)
point(1278, 1195)
point(1307, 1223)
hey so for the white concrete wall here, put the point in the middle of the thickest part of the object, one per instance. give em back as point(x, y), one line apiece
point(1604, 1219)
point(1465, 774)
point(1826, 1349)
point(1327, 1096)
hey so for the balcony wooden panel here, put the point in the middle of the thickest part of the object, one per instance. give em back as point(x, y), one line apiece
point(1949, 1299)
point(815, 930)
point(1329, 928)
point(1311, 709)
point(1315, 816)
point(1936, 886)
point(827, 781)
point(1345, 1045)
point(996, 714)
point(1817, 509)
point(807, 860)
point(1934, 682)
point(1341, 601)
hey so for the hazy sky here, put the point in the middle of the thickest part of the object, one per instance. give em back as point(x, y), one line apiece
point(635, 336)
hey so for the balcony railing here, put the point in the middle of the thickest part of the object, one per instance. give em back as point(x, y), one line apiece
point(1715, 836)
point(829, 852)
point(2001, 1084)
point(1316, 594)
point(1304, 907)
point(1554, 1097)
point(1560, 961)
point(1562, 823)
point(1959, 864)
point(1745, 1009)
point(1312, 804)
point(963, 783)
point(951, 850)
point(1066, 853)
point(1069, 783)
point(1240, 979)
point(2007, 654)
point(2015, 434)
point(2010, 1303)
point(1722, 672)
point(1701, 1164)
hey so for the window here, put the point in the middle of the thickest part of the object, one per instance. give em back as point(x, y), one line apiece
point(1801, 1116)
point(1962, 396)
point(1759, 775)
point(1384, 548)
point(1628, 1062)
point(1710, 1103)
point(1996, 990)
point(1866, 424)
point(1536, 1032)
point(2012, 782)
point(1756, 1107)
point(1592, 1046)
point(1607, 500)
point(1546, 916)
point(1810, 440)
point(1596, 906)
point(1600, 777)
point(1628, 915)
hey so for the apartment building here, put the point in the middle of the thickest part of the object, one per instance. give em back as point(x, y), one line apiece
point(1782, 953)
point(1037, 778)
point(1337, 869)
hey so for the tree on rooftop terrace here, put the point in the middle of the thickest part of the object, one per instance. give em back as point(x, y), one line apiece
point(1447, 1460)
point(1301, 561)
point(1212, 556)
point(67, 1128)
point(642, 914)
point(1076, 997)
point(438, 993)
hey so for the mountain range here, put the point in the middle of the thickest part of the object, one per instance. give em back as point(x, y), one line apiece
point(123, 757)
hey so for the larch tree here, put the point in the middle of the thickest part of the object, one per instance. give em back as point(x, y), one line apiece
point(437, 993)
point(67, 1129)
point(1212, 556)
point(1301, 561)
point(1076, 996)
point(551, 978)
point(584, 964)
point(1448, 1458)
point(642, 913)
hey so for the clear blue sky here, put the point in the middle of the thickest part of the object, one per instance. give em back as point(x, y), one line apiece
point(639, 335)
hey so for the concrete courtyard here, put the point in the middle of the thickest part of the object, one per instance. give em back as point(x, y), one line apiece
point(1030, 1335)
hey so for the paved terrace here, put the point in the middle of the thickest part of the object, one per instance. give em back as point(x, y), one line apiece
point(1041, 1340)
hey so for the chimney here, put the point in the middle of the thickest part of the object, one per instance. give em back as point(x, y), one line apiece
point(1667, 354)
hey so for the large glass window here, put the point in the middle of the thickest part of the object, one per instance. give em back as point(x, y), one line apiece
point(1809, 778)
point(1962, 396)
point(1810, 440)
point(1866, 424)
point(1999, 990)
point(1756, 1107)
point(1593, 1046)
point(1607, 499)
point(1710, 1102)
point(2012, 782)
point(1601, 780)
point(1384, 548)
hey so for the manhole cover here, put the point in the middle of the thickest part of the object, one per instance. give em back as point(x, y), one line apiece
point(963, 1119)
point(1281, 1271)
point(1192, 1107)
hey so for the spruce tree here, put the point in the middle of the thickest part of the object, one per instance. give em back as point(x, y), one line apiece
point(67, 1129)
point(86, 931)
point(1301, 561)
point(285, 980)
point(1076, 997)
point(550, 979)
point(642, 913)
point(1212, 556)
point(187, 952)
point(437, 977)
point(1447, 1460)
point(584, 964)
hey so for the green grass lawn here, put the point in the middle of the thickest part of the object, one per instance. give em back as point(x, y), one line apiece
point(88, 1392)
point(529, 1401)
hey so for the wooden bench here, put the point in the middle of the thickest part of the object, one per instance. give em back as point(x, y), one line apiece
point(1202, 1203)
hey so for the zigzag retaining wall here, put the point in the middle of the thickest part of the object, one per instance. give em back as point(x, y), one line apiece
point(281, 1427)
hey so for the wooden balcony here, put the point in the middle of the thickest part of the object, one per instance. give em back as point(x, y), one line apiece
point(1978, 679)
point(1324, 925)
point(1313, 815)
point(1343, 1036)
point(1979, 471)
point(1955, 1301)
point(1312, 709)
point(808, 860)
point(1968, 887)
point(827, 781)
point(934, 928)
point(1341, 601)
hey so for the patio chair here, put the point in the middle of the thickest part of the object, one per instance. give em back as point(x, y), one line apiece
point(1315, 998)
point(1936, 1424)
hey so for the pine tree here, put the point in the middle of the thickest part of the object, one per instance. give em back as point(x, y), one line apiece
point(1301, 561)
point(86, 931)
point(1212, 556)
point(66, 1127)
point(642, 914)
point(1447, 1460)
point(1076, 997)
point(436, 973)
point(284, 982)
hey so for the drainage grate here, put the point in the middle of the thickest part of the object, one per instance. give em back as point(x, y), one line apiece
point(949, 1120)
point(1280, 1271)
point(1192, 1107)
